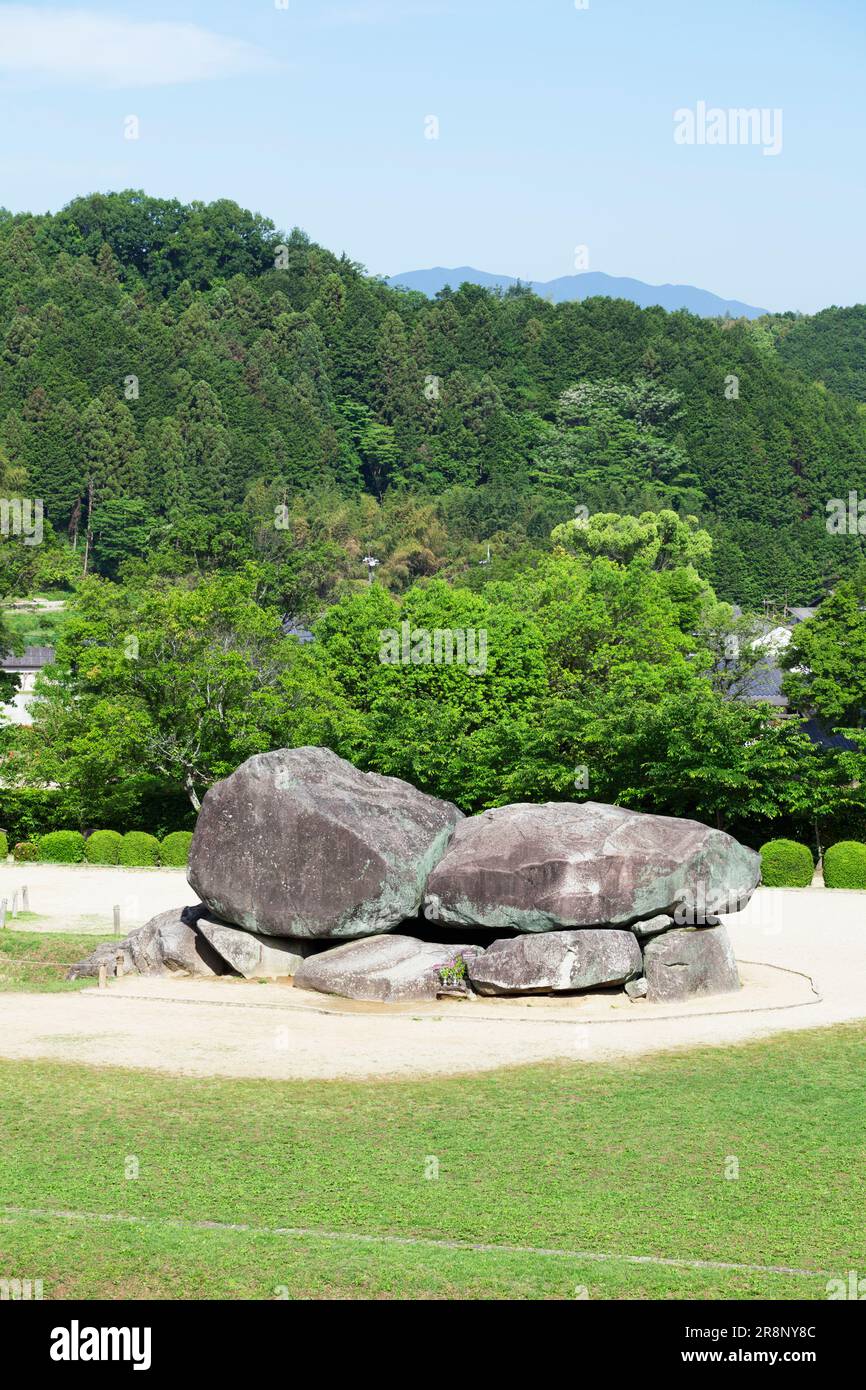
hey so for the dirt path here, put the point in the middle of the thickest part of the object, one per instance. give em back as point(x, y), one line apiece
point(803, 961)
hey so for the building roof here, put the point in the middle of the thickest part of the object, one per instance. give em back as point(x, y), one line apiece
point(31, 659)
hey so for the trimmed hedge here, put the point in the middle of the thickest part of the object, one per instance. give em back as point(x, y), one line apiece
point(786, 864)
point(174, 849)
point(103, 847)
point(62, 847)
point(139, 850)
point(845, 865)
point(135, 849)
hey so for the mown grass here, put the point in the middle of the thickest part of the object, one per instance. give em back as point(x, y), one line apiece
point(626, 1159)
point(38, 961)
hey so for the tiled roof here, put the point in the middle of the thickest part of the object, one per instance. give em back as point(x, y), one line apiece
point(32, 659)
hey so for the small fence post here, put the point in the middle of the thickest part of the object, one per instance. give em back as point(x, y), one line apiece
point(25, 899)
point(118, 967)
point(3, 913)
point(117, 919)
point(102, 977)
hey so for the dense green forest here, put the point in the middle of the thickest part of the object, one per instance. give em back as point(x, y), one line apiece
point(171, 373)
point(829, 347)
point(227, 422)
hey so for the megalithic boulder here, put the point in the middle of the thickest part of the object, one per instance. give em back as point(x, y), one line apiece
point(256, 957)
point(300, 843)
point(393, 968)
point(688, 961)
point(557, 962)
point(541, 868)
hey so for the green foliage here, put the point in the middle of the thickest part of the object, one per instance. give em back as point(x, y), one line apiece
point(62, 847)
point(139, 849)
point(453, 974)
point(163, 361)
point(845, 865)
point(829, 347)
point(227, 419)
point(661, 540)
point(103, 847)
point(174, 849)
point(826, 662)
point(31, 811)
point(4, 845)
point(25, 851)
point(168, 682)
point(615, 435)
point(786, 864)
point(574, 662)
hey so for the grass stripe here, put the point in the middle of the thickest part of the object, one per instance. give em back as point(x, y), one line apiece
point(428, 1242)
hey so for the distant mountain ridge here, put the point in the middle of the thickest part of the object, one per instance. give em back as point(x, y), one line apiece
point(583, 286)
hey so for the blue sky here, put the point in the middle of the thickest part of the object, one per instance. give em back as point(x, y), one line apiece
point(556, 129)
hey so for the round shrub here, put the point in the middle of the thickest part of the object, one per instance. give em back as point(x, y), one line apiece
point(25, 851)
point(103, 847)
point(138, 849)
point(62, 847)
point(4, 844)
point(786, 864)
point(174, 849)
point(845, 865)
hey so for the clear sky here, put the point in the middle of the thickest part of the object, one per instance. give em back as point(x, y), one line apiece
point(556, 129)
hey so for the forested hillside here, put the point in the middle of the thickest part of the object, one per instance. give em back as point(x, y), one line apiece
point(171, 374)
point(829, 347)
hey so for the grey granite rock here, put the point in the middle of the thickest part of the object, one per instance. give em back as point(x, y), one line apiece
point(391, 968)
point(690, 961)
point(554, 962)
point(166, 945)
point(542, 868)
point(256, 957)
point(653, 925)
point(299, 843)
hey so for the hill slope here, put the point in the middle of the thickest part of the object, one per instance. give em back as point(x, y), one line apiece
point(828, 347)
point(180, 357)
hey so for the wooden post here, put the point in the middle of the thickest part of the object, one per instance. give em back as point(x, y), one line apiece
point(3, 913)
point(118, 968)
point(25, 899)
point(102, 977)
point(15, 903)
point(117, 919)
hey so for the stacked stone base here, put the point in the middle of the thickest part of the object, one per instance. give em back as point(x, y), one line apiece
point(671, 963)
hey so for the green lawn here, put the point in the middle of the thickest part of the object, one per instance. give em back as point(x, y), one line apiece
point(38, 961)
point(623, 1159)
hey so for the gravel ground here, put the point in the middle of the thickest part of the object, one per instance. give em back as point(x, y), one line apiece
point(803, 962)
point(82, 897)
